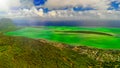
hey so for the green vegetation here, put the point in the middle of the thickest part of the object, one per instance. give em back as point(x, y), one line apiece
point(88, 32)
point(20, 52)
point(108, 38)
point(6, 25)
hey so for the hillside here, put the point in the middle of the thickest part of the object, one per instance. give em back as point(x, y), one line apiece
point(34, 53)
point(6, 24)
point(28, 53)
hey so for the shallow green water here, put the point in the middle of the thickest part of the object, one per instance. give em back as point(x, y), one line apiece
point(73, 39)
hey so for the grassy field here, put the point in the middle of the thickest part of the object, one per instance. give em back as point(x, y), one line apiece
point(73, 39)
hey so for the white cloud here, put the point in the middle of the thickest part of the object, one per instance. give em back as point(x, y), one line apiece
point(6, 5)
point(96, 4)
point(26, 3)
point(22, 13)
point(65, 15)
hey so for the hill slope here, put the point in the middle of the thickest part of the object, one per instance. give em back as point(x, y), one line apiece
point(29, 53)
point(6, 24)
point(21, 52)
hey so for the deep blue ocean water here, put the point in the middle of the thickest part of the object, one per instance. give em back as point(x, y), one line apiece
point(90, 23)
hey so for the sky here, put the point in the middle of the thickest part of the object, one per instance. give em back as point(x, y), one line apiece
point(86, 9)
point(94, 4)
